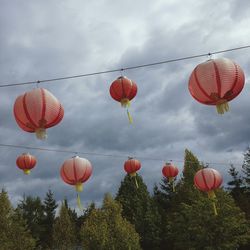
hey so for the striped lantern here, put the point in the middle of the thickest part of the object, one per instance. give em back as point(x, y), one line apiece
point(216, 82)
point(208, 180)
point(26, 162)
point(76, 171)
point(37, 110)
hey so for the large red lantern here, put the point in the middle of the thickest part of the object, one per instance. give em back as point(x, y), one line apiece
point(123, 90)
point(37, 110)
point(207, 180)
point(131, 166)
point(216, 82)
point(170, 171)
point(26, 162)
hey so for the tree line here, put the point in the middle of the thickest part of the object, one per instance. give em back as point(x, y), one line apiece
point(135, 219)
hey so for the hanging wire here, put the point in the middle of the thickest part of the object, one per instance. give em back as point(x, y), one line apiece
point(77, 152)
point(3, 85)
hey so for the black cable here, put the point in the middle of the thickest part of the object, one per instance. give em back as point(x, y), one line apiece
point(2, 85)
point(108, 155)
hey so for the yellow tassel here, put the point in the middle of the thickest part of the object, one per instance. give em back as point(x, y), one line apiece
point(41, 133)
point(222, 107)
point(79, 187)
point(125, 102)
point(79, 204)
point(212, 196)
point(215, 209)
point(133, 175)
point(171, 180)
point(129, 117)
point(26, 171)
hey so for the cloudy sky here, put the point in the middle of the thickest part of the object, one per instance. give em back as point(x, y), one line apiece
point(48, 39)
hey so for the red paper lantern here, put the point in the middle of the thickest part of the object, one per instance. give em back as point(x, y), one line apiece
point(216, 82)
point(37, 110)
point(131, 166)
point(76, 171)
point(123, 90)
point(207, 180)
point(170, 171)
point(26, 162)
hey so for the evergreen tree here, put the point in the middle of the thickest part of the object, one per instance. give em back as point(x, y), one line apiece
point(32, 211)
point(49, 218)
point(140, 210)
point(105, 229)
point(246, 169)
point(192, 224)
point(64, 234)
point(235, 185)
point(14, 234)
point(244, 199)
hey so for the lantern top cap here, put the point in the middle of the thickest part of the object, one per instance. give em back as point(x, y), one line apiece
point(120, 77)
point(26, 153)
point(130, 158)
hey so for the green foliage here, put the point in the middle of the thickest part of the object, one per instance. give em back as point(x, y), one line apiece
point(140, 210)
point(105, 229)
point(14, 234)
point(246, 169)
point(32, 211)
point(64, 232)
point(194, 226)
point(50, 206)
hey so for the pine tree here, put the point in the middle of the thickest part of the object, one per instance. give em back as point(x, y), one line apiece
point(245, 201)
point(138, 209)
point(64, 232)
point(192, 224)
point(246, 169)
point(235, 185)
point(14, 234)
point(49, 218)
point(105, 229)
point(32, 211)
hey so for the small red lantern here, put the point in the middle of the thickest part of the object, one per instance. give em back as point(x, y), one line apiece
point(37, 110)
point(216, 82)
point(131, 166)
point(207, 180)
point(76, 171)
point(26, 162)
point(170, 171)
point(123, 90)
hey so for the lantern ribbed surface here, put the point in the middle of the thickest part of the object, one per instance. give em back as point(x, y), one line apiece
point(207, 179)
point(26, 162)
point(37, 110)
point(216, 81)
point(169, 170)
point(132, 166)
point(123, 89)
point(76, 170)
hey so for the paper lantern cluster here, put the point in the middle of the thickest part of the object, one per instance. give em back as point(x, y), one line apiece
point(214, 82)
